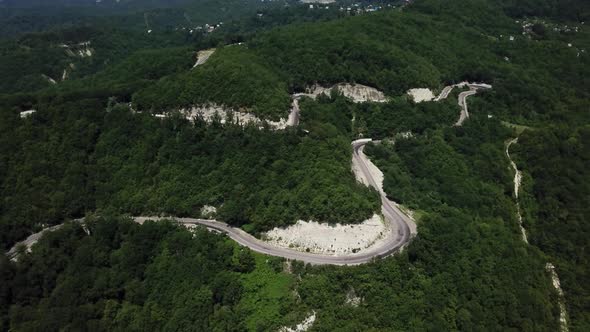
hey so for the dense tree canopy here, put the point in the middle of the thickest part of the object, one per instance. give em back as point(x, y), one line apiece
point(86, 152)
point(127, 277)
point(557, 195)
point(73, 158)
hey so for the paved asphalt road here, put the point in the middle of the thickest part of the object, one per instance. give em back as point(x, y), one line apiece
point(463, 103)
point(399, 224)
point(444, 93)
point(399, 229)
point(398, 236)
point(473, 87)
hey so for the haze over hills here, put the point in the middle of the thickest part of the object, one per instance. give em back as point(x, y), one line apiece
point(106, 3)
point(24, 16)
point(158, 176)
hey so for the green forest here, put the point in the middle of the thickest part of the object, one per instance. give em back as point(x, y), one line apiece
point(130, 277)
point(93, 149)
point(557, 194)
point(77, 158)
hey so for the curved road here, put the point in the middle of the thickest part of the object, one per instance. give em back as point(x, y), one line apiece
point(399, 231)
point(400, 226)
point(473, 87)
point(463, 103)
point(462, 100)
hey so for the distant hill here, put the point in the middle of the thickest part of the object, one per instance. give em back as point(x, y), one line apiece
point(23, 16)
point(121, 3)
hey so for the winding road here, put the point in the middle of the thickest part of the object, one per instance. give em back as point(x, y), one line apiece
point(399, 228)
point(463, 103)
point(462, 99)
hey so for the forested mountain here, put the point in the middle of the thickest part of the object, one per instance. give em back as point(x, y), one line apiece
point(34, 61)
point(557, 182)
point(89, 145)
point(259, 178)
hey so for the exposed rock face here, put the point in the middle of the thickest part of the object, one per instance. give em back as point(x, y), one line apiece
point(352, 299)
point(421, 94)
point(557, 285)
point(311, 236)
point(563, 324)
point(305, 325)
point(225, 114)
point(208, 211)
point(361, 93)
point(357, 92)
point(26, 114)
point(203, 56)
point(517, 181)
